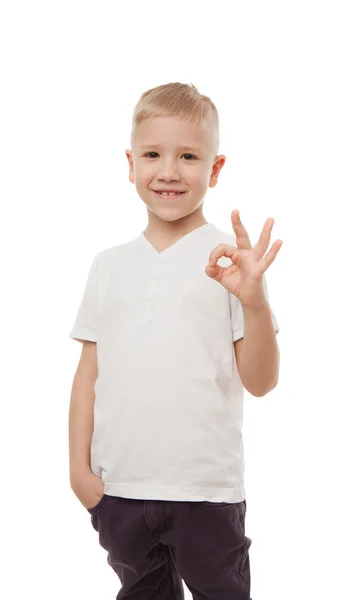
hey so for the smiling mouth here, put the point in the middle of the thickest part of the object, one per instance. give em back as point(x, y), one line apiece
point(169, 194)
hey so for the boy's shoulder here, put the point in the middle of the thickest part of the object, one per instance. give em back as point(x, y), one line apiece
point(224, 236)
point(113, 252)
point(220, 236)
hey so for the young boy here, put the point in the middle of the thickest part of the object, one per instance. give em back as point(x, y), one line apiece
point(170, 340)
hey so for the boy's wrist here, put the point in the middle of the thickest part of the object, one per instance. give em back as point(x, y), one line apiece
point(261, 306)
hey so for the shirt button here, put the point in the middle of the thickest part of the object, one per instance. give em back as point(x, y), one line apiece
point(148, 298)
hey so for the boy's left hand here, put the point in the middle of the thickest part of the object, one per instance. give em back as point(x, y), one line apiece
point(244, 277)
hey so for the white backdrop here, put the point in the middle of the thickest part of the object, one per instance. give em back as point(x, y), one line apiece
point(283, 76)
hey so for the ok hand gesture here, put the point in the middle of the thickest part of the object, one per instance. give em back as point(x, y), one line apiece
point(244, 277)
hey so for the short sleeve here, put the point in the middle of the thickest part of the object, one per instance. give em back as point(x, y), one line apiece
point(237, 315)
point(84, 327)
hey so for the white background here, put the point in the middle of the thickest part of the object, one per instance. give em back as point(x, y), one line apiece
point(283, 76)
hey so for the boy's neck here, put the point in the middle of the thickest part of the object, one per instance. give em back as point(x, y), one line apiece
point(162, 234)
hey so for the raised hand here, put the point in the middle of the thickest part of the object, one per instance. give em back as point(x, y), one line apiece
point(243, 278)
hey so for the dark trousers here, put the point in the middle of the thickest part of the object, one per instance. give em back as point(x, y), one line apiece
point(153, 545)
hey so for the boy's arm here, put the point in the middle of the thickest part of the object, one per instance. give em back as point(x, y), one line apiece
point(257, 353)
point(80, 426)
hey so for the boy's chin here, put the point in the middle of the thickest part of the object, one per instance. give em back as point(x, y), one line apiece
point(169, 210)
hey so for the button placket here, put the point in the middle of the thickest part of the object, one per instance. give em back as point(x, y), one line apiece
point(153, 280)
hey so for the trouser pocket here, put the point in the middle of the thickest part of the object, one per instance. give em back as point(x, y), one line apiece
point(95, 508)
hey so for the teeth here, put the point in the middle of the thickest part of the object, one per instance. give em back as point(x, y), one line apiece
point(169, 193)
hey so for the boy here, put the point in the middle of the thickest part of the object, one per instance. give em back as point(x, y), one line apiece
point(156, 449)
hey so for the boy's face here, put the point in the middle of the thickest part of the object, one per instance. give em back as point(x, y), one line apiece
point(169, 154)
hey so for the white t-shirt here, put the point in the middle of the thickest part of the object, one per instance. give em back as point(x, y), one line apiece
point(168, 410)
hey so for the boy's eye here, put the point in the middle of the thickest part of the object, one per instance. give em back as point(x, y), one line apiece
point(148, 153)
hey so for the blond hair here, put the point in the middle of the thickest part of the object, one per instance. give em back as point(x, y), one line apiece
point(179, 100)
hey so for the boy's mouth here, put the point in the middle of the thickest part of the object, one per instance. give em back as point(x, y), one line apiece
point(168, 194)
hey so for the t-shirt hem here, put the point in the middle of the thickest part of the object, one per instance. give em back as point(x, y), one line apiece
point(178, 494)
point(83, 334)
point(237, 334)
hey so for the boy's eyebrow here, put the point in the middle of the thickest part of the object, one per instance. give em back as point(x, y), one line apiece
point(160, 146)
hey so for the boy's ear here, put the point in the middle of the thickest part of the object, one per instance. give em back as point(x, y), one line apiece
point(131, 165)
point(217, 166)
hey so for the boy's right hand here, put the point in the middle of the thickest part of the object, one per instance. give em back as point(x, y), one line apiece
point(88, 488)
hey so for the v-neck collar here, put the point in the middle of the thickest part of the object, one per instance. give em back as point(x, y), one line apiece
point(150, 246)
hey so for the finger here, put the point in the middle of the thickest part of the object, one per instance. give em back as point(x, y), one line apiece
point(223, 250)
point(216, 272)
point(242, 237)
point(267, 260)
point(264, 239)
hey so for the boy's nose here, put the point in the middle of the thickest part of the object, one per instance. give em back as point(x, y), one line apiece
point(169, 172)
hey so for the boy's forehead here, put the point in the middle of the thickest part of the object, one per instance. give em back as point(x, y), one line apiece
point(171, 131)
